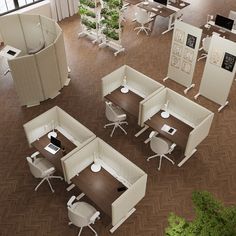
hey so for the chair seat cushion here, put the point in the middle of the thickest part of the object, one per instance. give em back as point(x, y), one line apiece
point(43, 164)
point(83, 208)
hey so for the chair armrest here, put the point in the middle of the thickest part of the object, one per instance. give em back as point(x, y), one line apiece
point(94, 217)
point(34, 156)
point(49, 171)
point(152, 134)
point(172, 147)
point(69, 203)
point(122, 116)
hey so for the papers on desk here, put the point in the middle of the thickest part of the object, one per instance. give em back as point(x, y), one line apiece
point(168, 129)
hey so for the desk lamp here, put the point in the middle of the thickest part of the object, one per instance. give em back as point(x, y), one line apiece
point(53, 133)
point(125, 88)
point(165, 113)
point(96, 166)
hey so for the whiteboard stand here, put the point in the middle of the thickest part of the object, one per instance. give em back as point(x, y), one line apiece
point(222, 106)
point(188, 88)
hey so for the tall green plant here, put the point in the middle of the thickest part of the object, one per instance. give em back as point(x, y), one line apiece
point(212, 219)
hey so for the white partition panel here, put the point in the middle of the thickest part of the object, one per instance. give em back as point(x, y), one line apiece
point(61, 58)
point(48, 70)
point(41, 125)
point(14, 38)
point(152, 106)
point(49, 30)
point(198, 134)
point(26, 78)
point(112, 81)
point(32, 31)
point(190, 112)
point(122, 205)
point(79, 132)
point(120, 164)
point(219, 70)
point(140, 83)
point(184, 51)
point(78, 161)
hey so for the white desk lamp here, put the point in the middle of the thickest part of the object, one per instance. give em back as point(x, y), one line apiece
point(125, 88)
point(53, 133)
point(96, 166)
point(165, 114)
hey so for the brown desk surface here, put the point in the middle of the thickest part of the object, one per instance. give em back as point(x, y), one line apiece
point(182, 133)
point(133, 2)
point(55, 159)
point(228, 35)
point(100, 187)
point(127, 101)
point(164, 11)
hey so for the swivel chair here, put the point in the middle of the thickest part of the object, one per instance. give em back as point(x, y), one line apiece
point(142, 17)
point(116, 116)
point(82, 214)
point(41, 168)
point(205, 46)
point(161, 147)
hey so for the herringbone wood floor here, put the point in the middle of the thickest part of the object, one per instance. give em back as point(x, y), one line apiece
point(24, 212)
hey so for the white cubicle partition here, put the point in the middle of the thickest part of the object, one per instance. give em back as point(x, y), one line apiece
point(137, 82)
point(189, 112)
point(219, 71)
point(117, 165)
point(59, 119)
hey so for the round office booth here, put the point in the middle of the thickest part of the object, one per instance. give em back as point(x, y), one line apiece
point(40, 70)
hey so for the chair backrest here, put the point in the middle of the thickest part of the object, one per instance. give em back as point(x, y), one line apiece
point(206, 43)
point(232, 15)
point(159, 145)
point(78, 217)
point(34, 169)
point(110, 112)
point(142, 16)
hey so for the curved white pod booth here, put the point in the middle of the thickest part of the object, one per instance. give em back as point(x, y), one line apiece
point(40, 70)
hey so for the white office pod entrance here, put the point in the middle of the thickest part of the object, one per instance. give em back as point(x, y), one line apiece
point(40, 70)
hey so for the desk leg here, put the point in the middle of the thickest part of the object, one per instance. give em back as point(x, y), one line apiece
point(70, 187)
point(186, 158)
point(196, 96)
point(115, 227)
point(170, 25)
point(166, 78)
point(142, 130)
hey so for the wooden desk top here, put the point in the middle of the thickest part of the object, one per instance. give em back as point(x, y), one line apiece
point(127, 101)
point(182, 133)
point(55, 159)
point(227, 34)
point(180, 4)
point(100, 187)
point(133, 2)
point(164, 11)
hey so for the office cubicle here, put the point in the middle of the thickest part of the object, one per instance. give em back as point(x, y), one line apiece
point(118, 166)
point(137, 82)
point(64, 123)
point(187, 111)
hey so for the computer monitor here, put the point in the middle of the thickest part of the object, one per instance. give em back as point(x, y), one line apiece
point(162, 2)
point(224, 22)
point(55, 141)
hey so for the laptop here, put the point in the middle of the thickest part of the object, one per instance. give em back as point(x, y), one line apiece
point(54, 146)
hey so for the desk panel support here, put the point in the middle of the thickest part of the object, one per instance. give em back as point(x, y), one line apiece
point(142, 130)
point(186, 158)
point(115, 227)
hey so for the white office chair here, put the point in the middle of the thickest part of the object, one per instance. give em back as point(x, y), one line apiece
point(205, 46)
point(232, 15)
point(161, 147)
point(82, 214)
point(41, 168)
point(142, 17)
point(116, 116)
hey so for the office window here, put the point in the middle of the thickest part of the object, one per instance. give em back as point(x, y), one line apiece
point(7, 6)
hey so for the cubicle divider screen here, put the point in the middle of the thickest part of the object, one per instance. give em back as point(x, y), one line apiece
point(219, 70)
